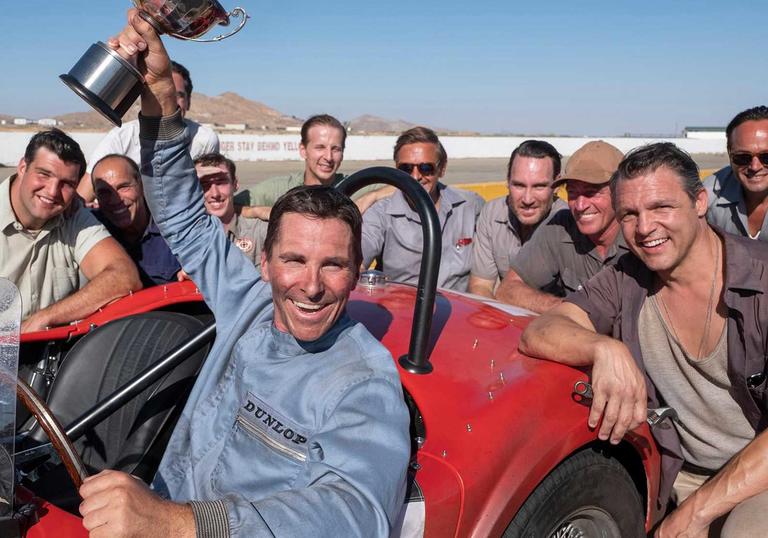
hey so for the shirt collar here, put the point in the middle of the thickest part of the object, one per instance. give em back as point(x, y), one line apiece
point(289, 346)
point(739, 273)
point(449, 198)
point(575, 237)
point(730, 191)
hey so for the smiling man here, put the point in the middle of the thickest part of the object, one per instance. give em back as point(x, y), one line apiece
point(632, 323)
point(738, 194)
point(218, 179)
point(508, 222)
point(296, 425)
point(573, 245)
point(123, 210)
point(44, 250)
point(392, 229)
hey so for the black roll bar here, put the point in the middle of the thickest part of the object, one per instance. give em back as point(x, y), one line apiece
point(417, 360)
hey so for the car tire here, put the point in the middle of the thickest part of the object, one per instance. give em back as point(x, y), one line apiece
point(589, 495)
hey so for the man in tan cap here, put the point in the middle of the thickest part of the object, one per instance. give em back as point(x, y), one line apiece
point(574, 244)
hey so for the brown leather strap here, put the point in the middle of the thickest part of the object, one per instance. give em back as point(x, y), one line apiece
point(64, 447)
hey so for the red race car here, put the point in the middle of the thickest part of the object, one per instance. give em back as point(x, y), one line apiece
point(500, 443)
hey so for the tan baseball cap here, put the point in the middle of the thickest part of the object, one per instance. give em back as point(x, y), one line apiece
point(594, 162)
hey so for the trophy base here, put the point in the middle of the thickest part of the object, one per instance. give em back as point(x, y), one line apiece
point(96, 102)
point(105, 81)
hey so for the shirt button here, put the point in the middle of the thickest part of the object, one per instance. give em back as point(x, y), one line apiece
point(17, 226)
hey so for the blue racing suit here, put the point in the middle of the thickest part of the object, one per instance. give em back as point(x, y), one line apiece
point(279, 437)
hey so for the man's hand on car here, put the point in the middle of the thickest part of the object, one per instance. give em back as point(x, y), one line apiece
point(619, 392)
point(118, 505)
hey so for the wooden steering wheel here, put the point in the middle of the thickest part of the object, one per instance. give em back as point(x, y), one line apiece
point(55, 432)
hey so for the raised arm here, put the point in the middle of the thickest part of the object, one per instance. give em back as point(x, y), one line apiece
point(111, 274)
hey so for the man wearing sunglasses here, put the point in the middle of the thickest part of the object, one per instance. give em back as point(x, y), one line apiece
point(572, 246)
point(392, 229)
point(738, 194)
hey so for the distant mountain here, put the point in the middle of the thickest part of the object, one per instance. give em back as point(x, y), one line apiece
point(374, 124)
point(227, 108)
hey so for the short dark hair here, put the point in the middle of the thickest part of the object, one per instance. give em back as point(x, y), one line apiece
point(421, 135)
point(130, 162)
point(176, 67)
point(322, 119)
point(537, 149)
point(58, 142)
point(217, 159)
point(316, 201)
point(756, 113)
point(651, 157)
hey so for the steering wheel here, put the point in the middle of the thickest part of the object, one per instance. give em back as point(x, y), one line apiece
point(55, 432)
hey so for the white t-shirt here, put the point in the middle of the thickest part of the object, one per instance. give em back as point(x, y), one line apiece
point(125, 141)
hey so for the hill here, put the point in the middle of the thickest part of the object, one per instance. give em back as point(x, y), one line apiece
point(227, 108)
point(374, 124)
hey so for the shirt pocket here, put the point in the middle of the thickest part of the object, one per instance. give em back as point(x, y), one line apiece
point(265, 450)
point(65, 281)
point(571, 280)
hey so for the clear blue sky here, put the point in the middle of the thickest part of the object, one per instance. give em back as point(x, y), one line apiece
point(537, 67)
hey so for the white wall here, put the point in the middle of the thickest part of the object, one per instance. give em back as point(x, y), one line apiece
point(247, 147)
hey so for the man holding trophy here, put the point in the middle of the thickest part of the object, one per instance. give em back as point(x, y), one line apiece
point(296, 425)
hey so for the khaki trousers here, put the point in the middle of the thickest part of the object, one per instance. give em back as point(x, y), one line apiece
point(747, 520)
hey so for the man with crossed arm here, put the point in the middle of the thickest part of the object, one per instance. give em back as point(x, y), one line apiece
point(632, 323)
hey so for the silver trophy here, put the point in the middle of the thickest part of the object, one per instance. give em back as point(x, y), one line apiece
point(110, 84)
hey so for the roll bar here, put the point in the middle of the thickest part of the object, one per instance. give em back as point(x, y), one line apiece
point(417, 359)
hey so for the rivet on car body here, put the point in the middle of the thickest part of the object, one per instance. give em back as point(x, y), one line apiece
point(490, 395)
point(415, 465)
point(493, 363)
point(469, 427)
point(445, 453)
point(501, 376)
point(474, 344)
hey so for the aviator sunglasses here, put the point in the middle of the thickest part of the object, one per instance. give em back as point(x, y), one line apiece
point(425, 169)
point(744, 159)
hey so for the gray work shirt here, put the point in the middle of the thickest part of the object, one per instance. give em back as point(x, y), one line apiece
point(392, 230)
point(560, 259)
point(497, 238)
point(727, 209)
point(248, 235)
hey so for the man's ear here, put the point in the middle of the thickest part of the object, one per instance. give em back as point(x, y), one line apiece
point(21, 167)
point(303, 151)
point(264, 266)
point(701, 203)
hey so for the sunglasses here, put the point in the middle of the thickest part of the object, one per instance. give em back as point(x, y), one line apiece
point(744, 159)
point(425, 169)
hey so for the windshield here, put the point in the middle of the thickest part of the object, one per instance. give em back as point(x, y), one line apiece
point(10, 315)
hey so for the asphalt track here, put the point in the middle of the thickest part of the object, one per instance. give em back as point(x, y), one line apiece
point(459, 170)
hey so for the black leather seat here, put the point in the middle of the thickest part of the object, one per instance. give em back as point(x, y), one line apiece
point(133, 438)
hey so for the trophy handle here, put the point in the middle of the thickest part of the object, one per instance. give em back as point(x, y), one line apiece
point(237, 12)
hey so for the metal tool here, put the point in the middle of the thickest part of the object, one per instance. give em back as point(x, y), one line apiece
point(582, 391)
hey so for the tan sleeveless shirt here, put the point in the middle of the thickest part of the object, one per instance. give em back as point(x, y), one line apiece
point(711, 425)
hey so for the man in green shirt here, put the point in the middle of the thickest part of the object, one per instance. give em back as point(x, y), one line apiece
point(323, 139)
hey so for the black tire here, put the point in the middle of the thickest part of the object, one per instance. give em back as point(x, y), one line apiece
point(589, 495)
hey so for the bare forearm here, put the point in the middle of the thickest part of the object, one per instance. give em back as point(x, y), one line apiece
point(745, 476)
point(518, 293)
point(557, 336)
point(481, 286)
point(110, 284)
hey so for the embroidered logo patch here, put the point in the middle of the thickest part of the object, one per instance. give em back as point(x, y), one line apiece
point(244, 244)
point(463, 242)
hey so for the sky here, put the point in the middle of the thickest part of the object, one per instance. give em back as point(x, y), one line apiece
point(549, 67)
